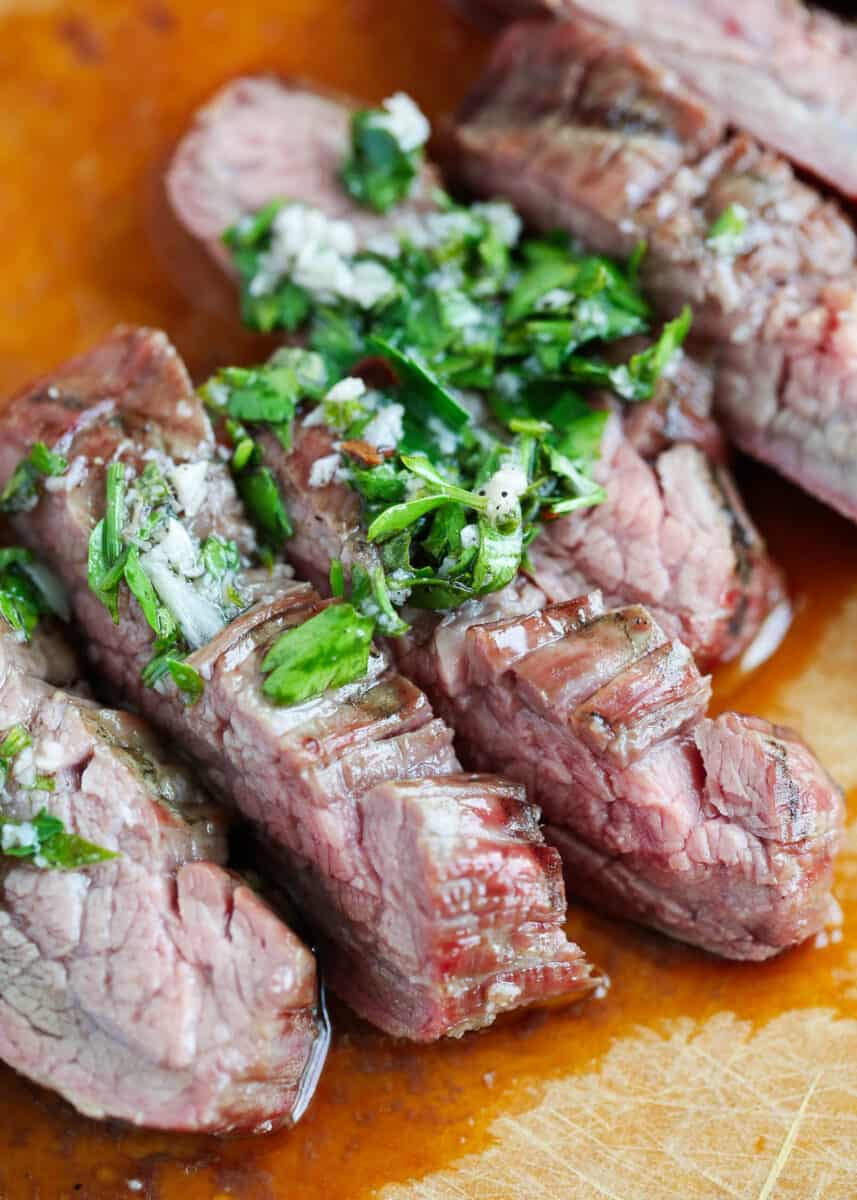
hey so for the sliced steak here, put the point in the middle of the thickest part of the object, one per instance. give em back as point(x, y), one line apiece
point(311, 776)
point(721, 833)
point(260, 140)
point(782, 71)
point(580, 128)
point(156, 988)
point(672, 534)
point(717, 602)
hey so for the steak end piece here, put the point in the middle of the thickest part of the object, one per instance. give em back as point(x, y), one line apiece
point(155, 988)
point(472, 926)
point(240, 155)
point(587, 130)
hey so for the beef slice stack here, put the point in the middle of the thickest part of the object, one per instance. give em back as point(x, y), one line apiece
point(434, 898)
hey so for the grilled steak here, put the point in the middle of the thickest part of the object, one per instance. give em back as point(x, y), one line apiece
point(582, 129)
point(780, 70)
point(157, 987)
point(672, 534)
point(700, 562)
point(721, 833)
point(407, 937)
point(232, 163)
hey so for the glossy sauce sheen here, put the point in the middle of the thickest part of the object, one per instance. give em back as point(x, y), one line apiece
point(91, 100)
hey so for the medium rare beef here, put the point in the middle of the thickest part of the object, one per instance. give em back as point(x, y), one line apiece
point(156, 987)
point(314, 777)
point(672, 534)
point(721, 833)
point(704, 568)
point(780, 70)
point(233, 163)
point(582, 129)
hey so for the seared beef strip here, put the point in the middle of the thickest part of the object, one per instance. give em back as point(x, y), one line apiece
point(157, 987)
point(436, 901)
point(782, 71)
point(582, 129)
point(721, 833)
point(699, 562)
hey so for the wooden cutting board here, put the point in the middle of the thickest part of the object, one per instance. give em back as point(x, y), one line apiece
point(694, 1079)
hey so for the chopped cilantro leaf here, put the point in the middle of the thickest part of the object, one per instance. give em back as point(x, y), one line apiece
point(21, 492)
point(380, 170)
point(327, 651)
point(22, 601)
point(44, 842)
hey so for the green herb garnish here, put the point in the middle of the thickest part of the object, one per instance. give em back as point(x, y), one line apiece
point(44, 842)
point(492, 343)
point(21, 492)
point(22, 601)
point(43, 839)
point(726, 235)
point(15, 740)
point(386, 153)
point(186, 589)
point(327, 651)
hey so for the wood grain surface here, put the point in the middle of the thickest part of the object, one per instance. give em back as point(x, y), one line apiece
point(694, 1079)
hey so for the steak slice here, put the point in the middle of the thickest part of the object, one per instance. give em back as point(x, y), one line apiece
point(717, 602)
point(776, 68)
point(260, 140)
point(721, 833)
point(582, 129)
point(672, 534)
point(156, 988)
point(310, 776)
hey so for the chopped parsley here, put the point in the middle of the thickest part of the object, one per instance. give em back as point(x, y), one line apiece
point(14, 741)
point(23, 598)
point(453, 360)
point(727, 234)
point(21, 492)
point(386, 152)
point(329, 650)
point(478, 427)
point(269, 396)
point(186, 588)
point(42, 840)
